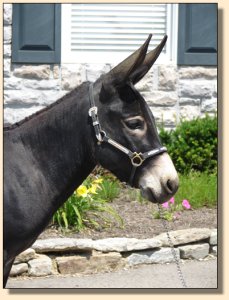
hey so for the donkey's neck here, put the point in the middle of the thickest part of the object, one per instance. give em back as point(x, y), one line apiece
point(61, 143)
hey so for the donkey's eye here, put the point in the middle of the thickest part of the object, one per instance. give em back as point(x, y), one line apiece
point(134, 124)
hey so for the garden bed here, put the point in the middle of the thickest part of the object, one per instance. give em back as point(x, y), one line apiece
point(193, 149)
point(139, 222)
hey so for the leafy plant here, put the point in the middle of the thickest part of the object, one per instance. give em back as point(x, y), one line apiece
point(86, 207)
point(109, 189)
point(193, 145)
point(171, 210)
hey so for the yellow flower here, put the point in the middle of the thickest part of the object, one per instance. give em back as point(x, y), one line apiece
point(93, 189)
point(82, 191)
point(98, 180)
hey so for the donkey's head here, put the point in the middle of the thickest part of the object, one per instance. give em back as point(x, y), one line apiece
point(129, 145)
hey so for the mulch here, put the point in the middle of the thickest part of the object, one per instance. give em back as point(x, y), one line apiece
point(139, 222)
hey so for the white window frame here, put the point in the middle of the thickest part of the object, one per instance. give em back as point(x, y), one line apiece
point(69, 57)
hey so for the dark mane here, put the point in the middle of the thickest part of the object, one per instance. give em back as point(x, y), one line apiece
point(50, 106)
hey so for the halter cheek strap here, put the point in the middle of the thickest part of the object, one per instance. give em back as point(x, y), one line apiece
point(136, 158)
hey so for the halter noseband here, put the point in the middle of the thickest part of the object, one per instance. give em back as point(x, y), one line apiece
point(136, 158)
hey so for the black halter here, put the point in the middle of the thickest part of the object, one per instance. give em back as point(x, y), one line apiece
point(136, 158)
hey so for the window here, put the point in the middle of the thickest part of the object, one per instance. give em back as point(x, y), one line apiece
point(103, 33)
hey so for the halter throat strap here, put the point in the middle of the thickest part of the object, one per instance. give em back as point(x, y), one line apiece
point(136, 158)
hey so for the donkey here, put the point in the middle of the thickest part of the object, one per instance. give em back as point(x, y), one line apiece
point(48, 155)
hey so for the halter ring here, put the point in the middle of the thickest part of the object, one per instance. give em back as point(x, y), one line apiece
point(137, 159)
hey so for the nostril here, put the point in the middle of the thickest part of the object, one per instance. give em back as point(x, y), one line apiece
point(169, 186)
point(172, 186)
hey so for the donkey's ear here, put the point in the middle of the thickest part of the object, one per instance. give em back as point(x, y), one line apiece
point(122, 72)
point(149, 60)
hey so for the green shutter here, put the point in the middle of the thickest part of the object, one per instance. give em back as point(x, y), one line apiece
point(197, 34)
point(36, 33)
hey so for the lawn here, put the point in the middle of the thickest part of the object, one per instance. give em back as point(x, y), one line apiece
point(200, 189)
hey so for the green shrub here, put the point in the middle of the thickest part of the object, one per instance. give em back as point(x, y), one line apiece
point(193, 145)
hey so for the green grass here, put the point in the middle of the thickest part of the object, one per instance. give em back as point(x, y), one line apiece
point(200, 189)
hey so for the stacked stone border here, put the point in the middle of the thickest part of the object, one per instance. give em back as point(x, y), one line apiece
point(61, 256)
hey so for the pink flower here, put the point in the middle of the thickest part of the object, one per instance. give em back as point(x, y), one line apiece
point(186, 204)
point(172, 200)
point(165, 205)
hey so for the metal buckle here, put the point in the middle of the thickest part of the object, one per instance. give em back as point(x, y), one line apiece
point(93, 109)
point(137, 159)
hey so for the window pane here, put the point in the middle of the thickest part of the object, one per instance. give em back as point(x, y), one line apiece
point(110, 32)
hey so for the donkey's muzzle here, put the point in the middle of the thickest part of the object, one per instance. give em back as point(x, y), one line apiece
point(158, 180)
point(168, 189)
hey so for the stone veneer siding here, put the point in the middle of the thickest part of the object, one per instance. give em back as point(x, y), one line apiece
point(172, 92)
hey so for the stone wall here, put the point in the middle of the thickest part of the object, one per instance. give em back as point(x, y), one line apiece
point(172, 92)
point(86, 256)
